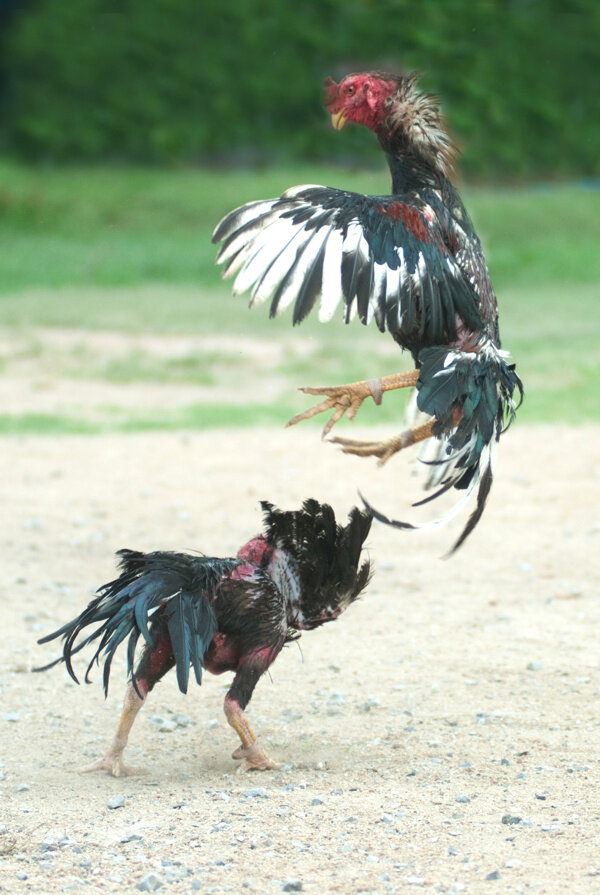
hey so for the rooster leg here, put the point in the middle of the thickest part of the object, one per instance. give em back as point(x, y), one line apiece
point(248, 672)
point(113, 762)
point(154, 662)
point(346, 399)
point(389, 446)
point(254, 756)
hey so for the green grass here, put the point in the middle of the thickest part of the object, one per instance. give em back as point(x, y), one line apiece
point(128, 250)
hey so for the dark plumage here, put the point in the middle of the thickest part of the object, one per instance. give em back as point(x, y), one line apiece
point(411, 261)
point(221, 614)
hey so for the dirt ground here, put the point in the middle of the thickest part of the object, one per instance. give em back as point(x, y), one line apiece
point(442, 735)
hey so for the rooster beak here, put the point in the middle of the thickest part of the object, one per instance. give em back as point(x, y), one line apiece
point(338, 119)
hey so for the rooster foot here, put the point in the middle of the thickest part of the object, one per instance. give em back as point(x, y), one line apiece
point(342, 399)
point(346, 399)
point(387, 447)
point(112, 764)
point(254, 758)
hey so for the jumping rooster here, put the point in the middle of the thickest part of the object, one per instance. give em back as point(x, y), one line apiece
point(410, 261)
point(221, 614)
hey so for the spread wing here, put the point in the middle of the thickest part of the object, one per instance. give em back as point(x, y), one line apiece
point(377, 256)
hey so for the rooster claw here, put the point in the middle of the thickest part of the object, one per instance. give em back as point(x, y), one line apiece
point(113, 765)
point(254, 758)
point(341, 399)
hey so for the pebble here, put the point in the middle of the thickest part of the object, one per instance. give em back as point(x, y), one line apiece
point(462, 798)
point(495, 874)
point(11, 716)
point(151, 882)
point(258, 793)
point(534, 666)
point(371, 703)
point(116, 802)
point(510, 819)
point(22, 787)
point(164, 725)
point(292, 885)
point(316, 801)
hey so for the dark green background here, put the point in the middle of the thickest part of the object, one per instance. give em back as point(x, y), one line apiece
point(184, 81)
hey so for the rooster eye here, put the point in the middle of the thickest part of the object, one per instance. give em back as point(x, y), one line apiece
point(350, 89)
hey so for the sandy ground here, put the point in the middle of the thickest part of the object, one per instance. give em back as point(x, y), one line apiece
point(442, 735)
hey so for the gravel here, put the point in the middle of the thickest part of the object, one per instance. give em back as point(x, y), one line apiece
point(439, 648)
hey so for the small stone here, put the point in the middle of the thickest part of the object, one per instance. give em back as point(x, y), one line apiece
point(495, 874)
point(258, 793)
point(22, 787)
point(316, 801)
point(510, 819)
point(462, 798)
point(505, 762)
point(371, 703)
point(540, 796)
point(168, 726)
point(21, 875)
point(116, 802)
point(11, 716)
point(292, 885)
point(151, 882)
point(534, 666)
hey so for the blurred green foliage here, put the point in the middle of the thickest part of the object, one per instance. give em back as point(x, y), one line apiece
point(172, 81)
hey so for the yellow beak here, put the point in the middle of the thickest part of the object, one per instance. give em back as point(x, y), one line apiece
point(338, 120)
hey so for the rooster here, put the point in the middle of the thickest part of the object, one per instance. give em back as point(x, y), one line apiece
point(410, 261)
point(220, 614)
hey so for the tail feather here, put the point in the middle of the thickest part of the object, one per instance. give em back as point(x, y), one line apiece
point(174, 584)
point(471, 397)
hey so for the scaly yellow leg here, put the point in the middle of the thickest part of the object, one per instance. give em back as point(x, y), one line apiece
point(254, 756)
point(389, 446)
point(112, 762)
point(346, 399)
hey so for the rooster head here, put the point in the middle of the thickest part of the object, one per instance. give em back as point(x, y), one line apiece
point(402, 118)
point(360, 98)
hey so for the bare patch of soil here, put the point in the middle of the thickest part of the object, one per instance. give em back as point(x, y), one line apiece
point(442, 735)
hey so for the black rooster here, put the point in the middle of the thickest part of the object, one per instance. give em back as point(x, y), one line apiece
point(221, 614)
point(411, 261)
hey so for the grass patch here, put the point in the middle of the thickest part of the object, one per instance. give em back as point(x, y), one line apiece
point(128, 251)
point(126, 226)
